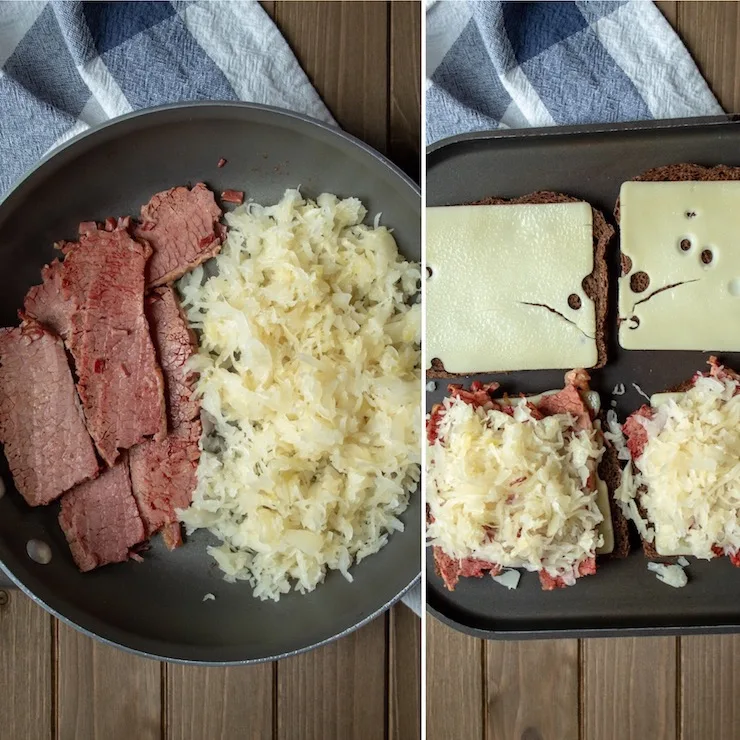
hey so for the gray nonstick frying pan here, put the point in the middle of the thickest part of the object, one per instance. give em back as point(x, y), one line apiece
point(156, 607)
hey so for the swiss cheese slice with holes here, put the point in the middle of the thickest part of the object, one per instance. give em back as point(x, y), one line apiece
point(681, 244)
point(504, 288)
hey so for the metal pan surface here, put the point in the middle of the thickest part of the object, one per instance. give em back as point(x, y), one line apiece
point(589, 162)
point(156, 608)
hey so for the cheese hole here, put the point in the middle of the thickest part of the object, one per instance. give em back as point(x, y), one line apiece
point(626, 264)
point(690, 214)
point(574, 301)
point(685, 245)
point(635, 322)
point(734, 287)
point(38, 551)
point(707, 257)
point(639, 282)
point(429, 272)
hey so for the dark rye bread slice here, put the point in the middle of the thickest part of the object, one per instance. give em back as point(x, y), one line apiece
point(676, 173)
point(595, 285)
point(610, 472)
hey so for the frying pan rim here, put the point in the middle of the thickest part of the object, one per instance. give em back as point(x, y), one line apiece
point(151, 651)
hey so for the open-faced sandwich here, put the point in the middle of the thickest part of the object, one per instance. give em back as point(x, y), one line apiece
point(681, 485)
point(518, 482)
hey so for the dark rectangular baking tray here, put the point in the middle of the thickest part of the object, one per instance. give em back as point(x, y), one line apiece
point(590, 162)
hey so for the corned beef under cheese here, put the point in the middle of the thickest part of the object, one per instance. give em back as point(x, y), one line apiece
point(41, 423)
point(164, 473)
point(576, 421)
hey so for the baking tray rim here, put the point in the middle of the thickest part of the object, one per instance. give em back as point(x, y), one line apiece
point(661, 124)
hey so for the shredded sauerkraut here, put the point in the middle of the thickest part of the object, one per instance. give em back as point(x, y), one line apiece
point(687, 478)
point(309, 363)
point(512, 490)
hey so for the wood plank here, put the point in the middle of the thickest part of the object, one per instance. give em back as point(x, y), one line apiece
point(404, 674)
point(710, 682)
point(405, 86)
point(104, 692)
point(26, 662)
point(669, 8)
point(219, 703)
point(335, 692)
point(711, 32)
point(343, 48)
point(454, 684)
point(629, 688)
point(532, 689)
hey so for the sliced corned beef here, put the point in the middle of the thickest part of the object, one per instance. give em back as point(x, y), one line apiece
point(183, 229)
point(45, 302)
point(450, 570)
point(119, 380)
point(100, 519)
point(41, 424)
point(174, 343)
point(164, 473)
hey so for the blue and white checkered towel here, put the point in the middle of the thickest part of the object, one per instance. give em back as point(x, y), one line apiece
point(66, 66)
point(510, 65)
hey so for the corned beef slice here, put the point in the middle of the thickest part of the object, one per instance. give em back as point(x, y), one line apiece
point(45, 302)
point(119, 380)
point(450, 570)
point(100, 519)
point(182, 226)
point(164, 473)
point(174, 343)
point(164, 476)
point(41, 424)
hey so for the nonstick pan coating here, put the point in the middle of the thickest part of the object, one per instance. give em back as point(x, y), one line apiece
point(157, 607)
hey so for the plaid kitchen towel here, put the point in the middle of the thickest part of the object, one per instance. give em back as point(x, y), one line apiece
point(66, 66)
point(511, 65)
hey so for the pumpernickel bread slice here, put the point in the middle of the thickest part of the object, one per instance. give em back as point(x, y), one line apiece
point(595, 285)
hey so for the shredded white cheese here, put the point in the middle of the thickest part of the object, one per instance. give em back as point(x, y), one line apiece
point(672, 575)
point(512, 490)
point(683, 562)
point(641, 392)
point(431, 386)
point(618, 389)
point(690, 471)
point(209, 597)
point(309, 362)
point(614, 435)
point(508, 578)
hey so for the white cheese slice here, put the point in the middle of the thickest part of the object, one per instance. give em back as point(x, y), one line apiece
point(489, 265)
point(655, 218)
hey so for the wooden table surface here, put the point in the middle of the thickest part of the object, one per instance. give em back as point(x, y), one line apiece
point(662, 688)
point(55, 683)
